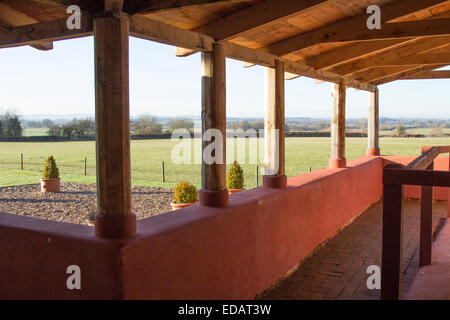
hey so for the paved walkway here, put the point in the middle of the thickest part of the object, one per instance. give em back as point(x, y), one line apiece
point(433, 282)
point(338, 270)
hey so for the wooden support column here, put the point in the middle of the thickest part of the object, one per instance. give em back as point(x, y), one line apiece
point(338, 159)
point(426, 223)
point(214, 192)
point(373, 148)
point(448, 192)
point(114, 218)
point(391, 260)
point(275, 176)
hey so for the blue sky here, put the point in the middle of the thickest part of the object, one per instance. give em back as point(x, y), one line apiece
point(61, 81)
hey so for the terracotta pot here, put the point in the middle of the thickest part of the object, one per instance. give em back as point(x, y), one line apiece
point(231, 191)
point(90, 222)
point(176, 206)
point(50, 185)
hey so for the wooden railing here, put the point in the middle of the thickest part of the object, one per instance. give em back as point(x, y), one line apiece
point(418, 172)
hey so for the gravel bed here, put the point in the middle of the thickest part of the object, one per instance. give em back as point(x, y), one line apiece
point(75, 201)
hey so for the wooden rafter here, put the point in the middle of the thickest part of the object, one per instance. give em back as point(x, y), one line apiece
point(406, 73)
point(354, 26)
point(257, 16)
point(357, 50)
point(157, 31)
point(45, 31)
point(10, 17)
point(145, 6)
point(440, 74)
point(398, 30)
point(374, 74)
point(414, 47)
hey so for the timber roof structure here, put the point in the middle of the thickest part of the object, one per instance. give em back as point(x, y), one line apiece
point(323, 39)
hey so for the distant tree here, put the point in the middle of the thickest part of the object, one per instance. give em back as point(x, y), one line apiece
point(67, 130)
point(180, 123)
point(401, 131)
point(13, 126)
point(47, 123)
point(82, 128)
point(1, 126)
point(147, 125)
point(245, 125)
point(56, 131)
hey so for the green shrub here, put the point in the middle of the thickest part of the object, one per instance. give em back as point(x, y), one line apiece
point(184, 192)
point(235, 177)
point(50, 169)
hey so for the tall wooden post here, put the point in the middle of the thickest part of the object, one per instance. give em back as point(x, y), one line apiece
point(426, 223)
point(214, 192)
point(114, 218)
point(274, 176)
point(373, 148)
point(391, 259)
point(338, 159)
point(448, 192)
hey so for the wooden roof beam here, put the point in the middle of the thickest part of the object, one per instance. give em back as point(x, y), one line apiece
point(10, 17)
point(146, 6)
point(419, 59)
point(45, 31)
point(414, 47)
point(144, 28)
point(261, 14)
point(377, 73)
point(352, 51)
point(354, 27)
point(439, 74)
point(406, 73)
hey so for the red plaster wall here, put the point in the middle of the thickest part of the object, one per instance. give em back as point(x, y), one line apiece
point(237, 252)
point(193, 253)
point(35, 254)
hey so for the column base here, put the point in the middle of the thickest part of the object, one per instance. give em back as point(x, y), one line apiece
point(373, 152)
point(213, 198)
point(275, 182)
point(338, 163)
point(111, 227)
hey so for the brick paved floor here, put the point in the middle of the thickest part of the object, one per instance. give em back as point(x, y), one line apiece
point(338, 269)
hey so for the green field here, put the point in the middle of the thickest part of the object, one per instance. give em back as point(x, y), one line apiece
point(33, 132)
point(147, 155)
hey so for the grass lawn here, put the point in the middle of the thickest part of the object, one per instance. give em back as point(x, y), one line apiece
point(147, 155)
point(32, 132)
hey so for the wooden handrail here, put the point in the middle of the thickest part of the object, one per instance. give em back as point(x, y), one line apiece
point(418, 172)
point(423, 161)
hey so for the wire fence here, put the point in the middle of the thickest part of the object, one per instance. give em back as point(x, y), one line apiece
point(146, 173)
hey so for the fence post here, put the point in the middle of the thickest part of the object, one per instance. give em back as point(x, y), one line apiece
point(85, 166)
point(21, 161)
point(391, 261)
point(426, 223)
point(257, 176)
point(163, 173)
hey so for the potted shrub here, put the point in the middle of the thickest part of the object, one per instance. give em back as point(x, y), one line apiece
point(235, 178)
point(91, 218)
point(184, 195)
point(50, 181)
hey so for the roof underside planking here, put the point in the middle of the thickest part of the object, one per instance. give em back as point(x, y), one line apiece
point(323, 39)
